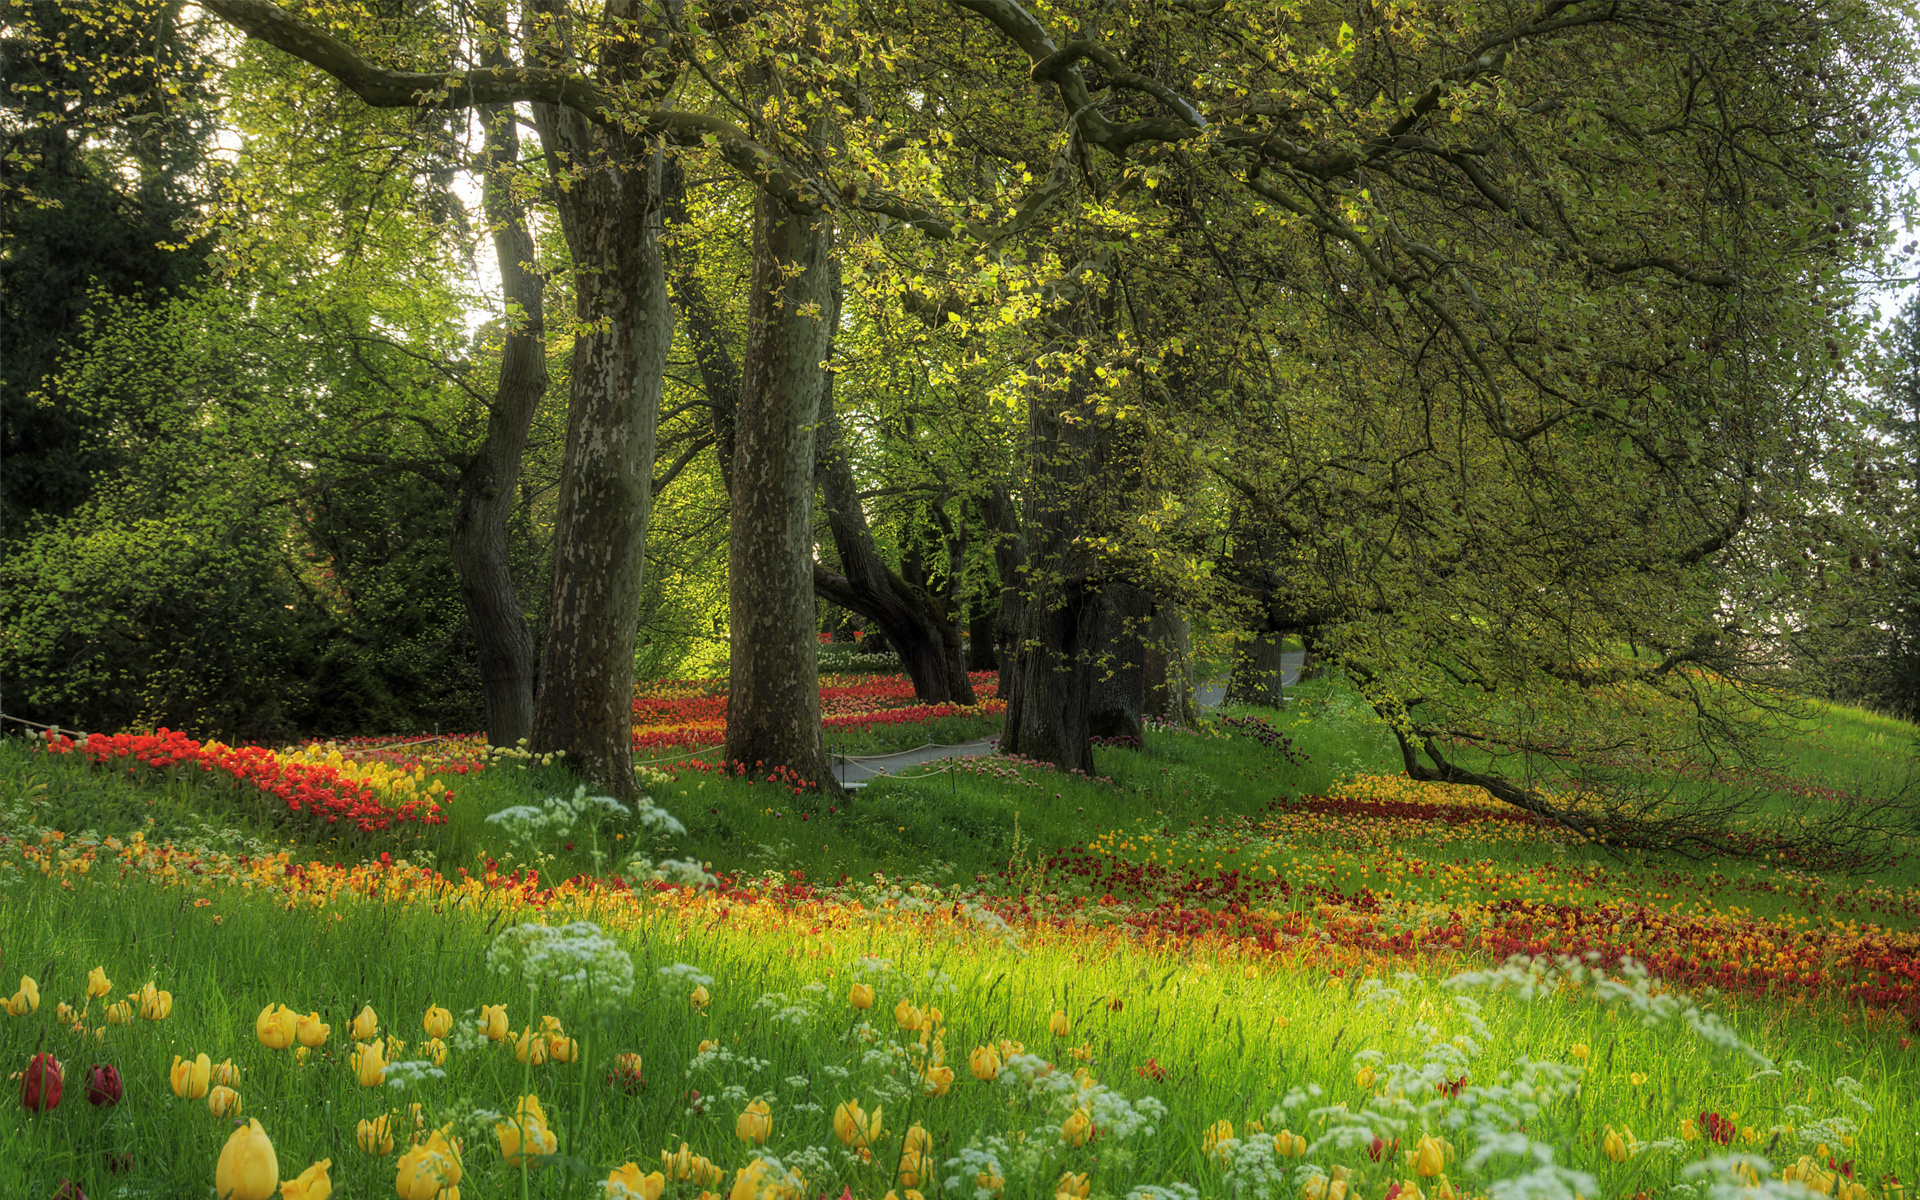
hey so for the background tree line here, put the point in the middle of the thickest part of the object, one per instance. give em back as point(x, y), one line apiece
point(1505, 353)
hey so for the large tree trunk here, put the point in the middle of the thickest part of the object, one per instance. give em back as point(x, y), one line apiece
point(919, 625)
point(1120, 674)
point(609, 213)
point(1060, 609)
point(489, 479)
point(980, 640)
point(1170, 669)
point(1311, 667)
point(773, 708)
point(1258, 676)
point(1252, 559)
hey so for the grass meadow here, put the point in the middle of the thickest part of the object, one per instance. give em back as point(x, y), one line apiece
point(1213, 969)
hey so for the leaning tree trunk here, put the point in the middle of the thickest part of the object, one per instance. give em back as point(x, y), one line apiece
point(773, 707)
point(489, 479)
point(919, 626)
point(705, 324)
point(610, 216)
point(1120, 669)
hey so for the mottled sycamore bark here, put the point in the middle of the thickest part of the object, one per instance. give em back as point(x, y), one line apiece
point(1053, 671)
point(773, 711)
point(1120, 675)
point(609, 213)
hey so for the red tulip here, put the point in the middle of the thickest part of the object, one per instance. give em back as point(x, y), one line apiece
point(69, 1190)
point(103, 1085)
point(40, 1086)
point(116, 1163)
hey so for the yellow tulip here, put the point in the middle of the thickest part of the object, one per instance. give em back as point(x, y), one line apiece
point(527, 1135)
point(190, 1079)
point(274, 1026)
point(861, 996)
point(756, 1181)
point(223, 1101)
point(1058, 1024)
point(755, 1124)
point(1219, 1131)
point(375, 1136)
point(1430, 1156)
point(907, 1016)
point(369, 1065)
point(247, 1169)
point(1580, 1051)
point(678, 1165)
point(852, 1126)
point(493, 1022)
point(563, 1049)
point(990, 1183)
point(1364, 1077)
point(436, 1052)
point(1008, 1048)
point(918, 1140)
point(706, 1173)
point(438, 1022)
point(224, 1072)
point(1077, 1186)
point(699, 998)
point(365, 1022)
point(1689, 1130)
point(155, 1004)
point(311, 1031)
point(311, 1184)
point(627, 1183)
point(121, 1013)
point(937, 1080)
point(1078, 1126)
point(530, 1047)
point(1613, 1146)
point(1637, 1078)
point(1288, 1144)
point(97, 983)
point(26, 1000)
point(984, 1062)
point(430, 1170)
point(1320, 1187)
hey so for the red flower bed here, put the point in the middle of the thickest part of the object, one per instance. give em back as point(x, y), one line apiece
point(317, 792)
point(855, 703)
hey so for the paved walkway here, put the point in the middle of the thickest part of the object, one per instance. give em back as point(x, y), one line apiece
point(857, 770)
